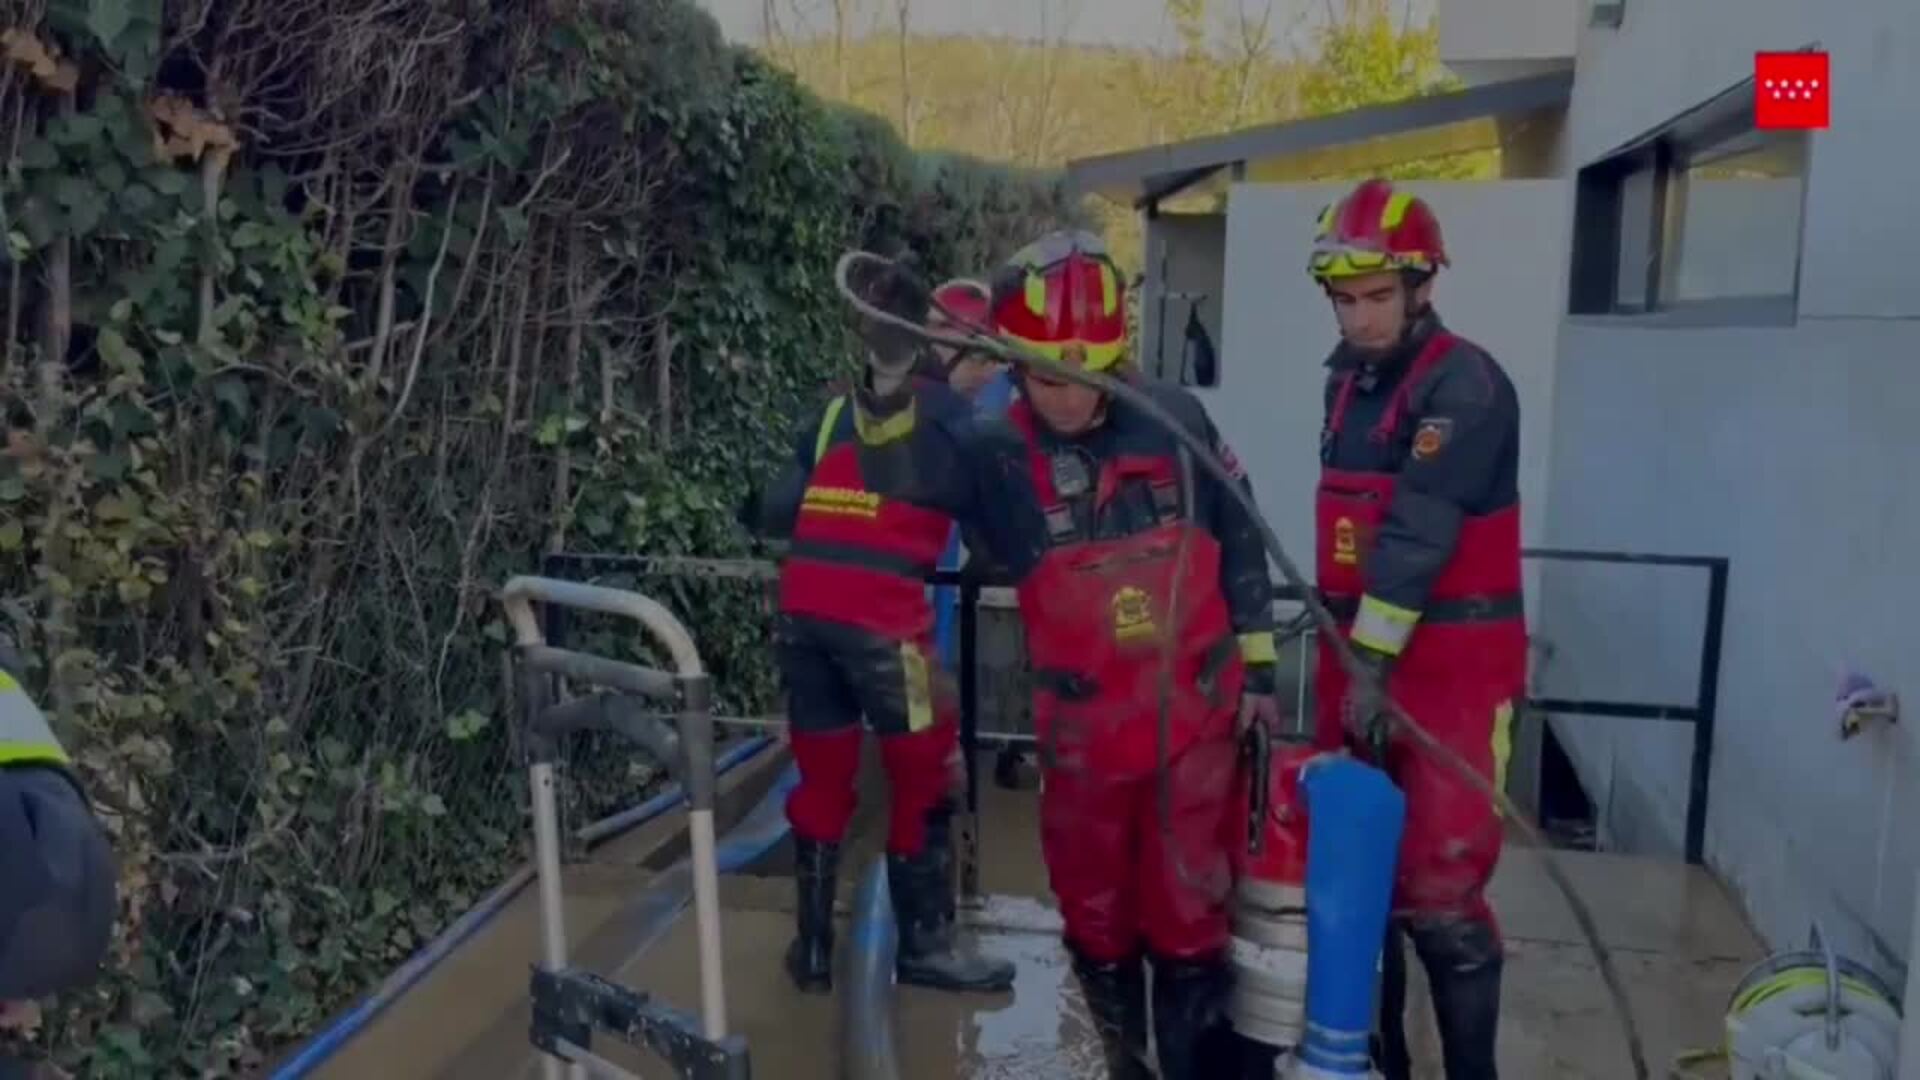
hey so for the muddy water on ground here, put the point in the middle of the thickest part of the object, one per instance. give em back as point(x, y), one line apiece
point(469, 1019)
point(1679, 943)
point(1038, 1031)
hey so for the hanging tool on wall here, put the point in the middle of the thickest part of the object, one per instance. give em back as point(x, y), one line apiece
point(1202, 454)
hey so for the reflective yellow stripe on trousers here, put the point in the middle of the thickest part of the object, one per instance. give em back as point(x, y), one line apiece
point(25, 738)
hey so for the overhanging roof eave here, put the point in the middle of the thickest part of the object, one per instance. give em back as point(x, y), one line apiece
point(1150, 169)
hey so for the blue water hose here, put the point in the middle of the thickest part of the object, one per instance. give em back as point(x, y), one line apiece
point(1354, 819)
point(646, 920)
point(330, 1039)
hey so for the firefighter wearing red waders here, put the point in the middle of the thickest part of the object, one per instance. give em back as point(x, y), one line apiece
point(1418, 526)
point(1149, 630)
point(876, 484)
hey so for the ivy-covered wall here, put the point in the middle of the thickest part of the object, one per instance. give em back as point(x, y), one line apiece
point(322, 318)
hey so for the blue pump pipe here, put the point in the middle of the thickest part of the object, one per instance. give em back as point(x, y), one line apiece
point(1355, 815)
point(337, 1034)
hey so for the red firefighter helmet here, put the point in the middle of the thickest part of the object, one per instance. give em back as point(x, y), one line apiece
point(961, 303)
point(1376, 228)
point(1063, 297)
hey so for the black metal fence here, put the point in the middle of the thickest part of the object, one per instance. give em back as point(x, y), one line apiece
point(1700, 713)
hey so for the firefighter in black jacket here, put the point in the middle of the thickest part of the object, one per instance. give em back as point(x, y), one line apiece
point(1418, 528)
point(876, 483)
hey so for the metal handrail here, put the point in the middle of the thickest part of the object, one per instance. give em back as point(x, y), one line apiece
point(688, 684)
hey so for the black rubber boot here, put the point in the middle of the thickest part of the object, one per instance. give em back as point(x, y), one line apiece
point(931, 952)
point(1116, 996)
point(1390, 1053)
point(1463, 961)
point(1253, 1060)
point(810, 957)
point(1191, 1034)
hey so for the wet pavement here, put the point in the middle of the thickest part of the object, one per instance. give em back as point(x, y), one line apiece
point(1679, 943)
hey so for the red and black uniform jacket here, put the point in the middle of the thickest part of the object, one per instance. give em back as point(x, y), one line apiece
point(1150, 611)
point(1453, 450)
point(870, 497)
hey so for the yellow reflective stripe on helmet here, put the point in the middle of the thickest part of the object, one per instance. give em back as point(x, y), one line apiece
point(1096, 357)
point(1343, 264)
point(1257, 648)
point(1396, 210)
point(1325, 224)
point(824, 437)
point(1382, 627)
point(25, 738)
point(1109, 288)
point(1036, 290)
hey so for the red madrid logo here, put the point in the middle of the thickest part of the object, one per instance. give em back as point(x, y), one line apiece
point(1791, 91)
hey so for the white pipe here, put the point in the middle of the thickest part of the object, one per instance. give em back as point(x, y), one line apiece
point(1910, 1025)
point(546, 848)
point(706, 917)
point(520, 592)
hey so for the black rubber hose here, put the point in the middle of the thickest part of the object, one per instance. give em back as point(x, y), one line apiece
point(982, 338)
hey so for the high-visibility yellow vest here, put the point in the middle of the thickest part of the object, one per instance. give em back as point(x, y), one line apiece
point(25, 738)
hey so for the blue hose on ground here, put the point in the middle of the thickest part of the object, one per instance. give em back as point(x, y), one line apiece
point(868, 1051)
point(645, 921)
point(329, 1040)
point(1354, 818)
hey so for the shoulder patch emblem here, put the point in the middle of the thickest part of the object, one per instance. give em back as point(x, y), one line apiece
point(1430, 436)
point(1228, 458)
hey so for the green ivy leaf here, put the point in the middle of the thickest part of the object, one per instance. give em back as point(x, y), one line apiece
point(168, 180)
point(466, 724)
point(74, 129)
point(108, 19)
point(232, 393)
point(39, 154)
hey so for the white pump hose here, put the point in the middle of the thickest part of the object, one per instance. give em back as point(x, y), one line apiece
point(1806, 1015)
point(980, 338)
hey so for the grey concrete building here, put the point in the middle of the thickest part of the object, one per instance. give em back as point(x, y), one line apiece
point(1716, 335)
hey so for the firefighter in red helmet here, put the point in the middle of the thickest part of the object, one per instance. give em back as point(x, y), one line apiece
point(1149, 630)
point(876, 482)
point(968, 370)
point(1418, 538)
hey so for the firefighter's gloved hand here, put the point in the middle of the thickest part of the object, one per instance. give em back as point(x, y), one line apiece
point(1257, 701)
point(1364, 712)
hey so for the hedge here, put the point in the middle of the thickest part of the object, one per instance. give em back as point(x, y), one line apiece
point(323, 317)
